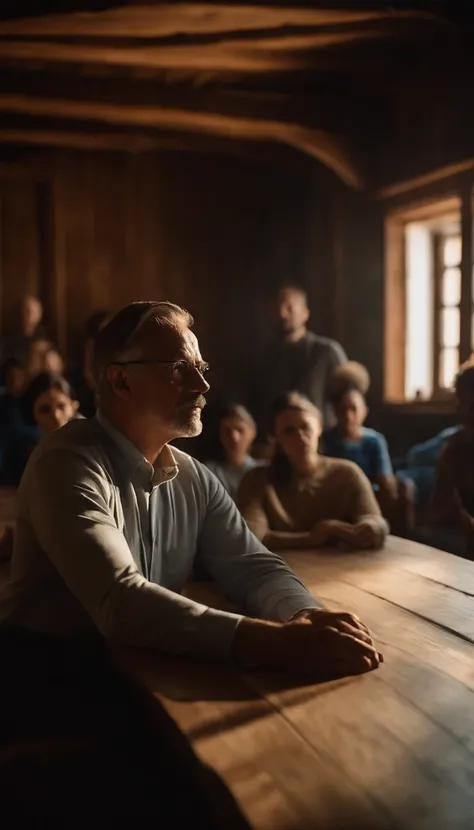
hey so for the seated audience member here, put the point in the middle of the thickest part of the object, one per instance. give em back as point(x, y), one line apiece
point(111, 522)
point(13, 380)
point(26, 327)
point(53, 362)
point(83, 378)
point(453, 501)
point(47, 404)
point(38, 349)
point(304, 499)
point(237, 431)
point(351, 440)
point(419, 465)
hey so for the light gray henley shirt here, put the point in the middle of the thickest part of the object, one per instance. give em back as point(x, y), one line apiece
point(105, 539)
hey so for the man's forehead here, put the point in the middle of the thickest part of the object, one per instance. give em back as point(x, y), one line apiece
point(290, 295)
point(170, 341)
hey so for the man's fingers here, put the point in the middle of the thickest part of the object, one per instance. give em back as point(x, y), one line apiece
point(350, 645)
point(358, 633)
point(351, 619)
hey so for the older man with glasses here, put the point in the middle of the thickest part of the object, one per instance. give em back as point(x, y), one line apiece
point(112, 521)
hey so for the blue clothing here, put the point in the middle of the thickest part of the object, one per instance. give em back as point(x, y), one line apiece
point(420, 464)
point(230, 476)
point(370, 452)
point(427, 453)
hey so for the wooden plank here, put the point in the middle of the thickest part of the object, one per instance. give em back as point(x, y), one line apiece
point(315, 143)
point(447, 172)
point(384, 576)
point(401, 737)
point(269, 55)
point(76, 140)
point(394, 311)
point(467, 265)
point(277, 778)
point(165, 20)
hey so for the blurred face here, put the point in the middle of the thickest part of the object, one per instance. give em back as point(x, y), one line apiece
point(292, 313)
point(168, 394)
point(15, 380)
point(53, 362)
point(31, 313)
point(53, 409)
point(351, 412)
point(36, 357)
point(297, 433)
point(236, 437)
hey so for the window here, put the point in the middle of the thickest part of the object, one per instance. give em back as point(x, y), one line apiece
point(424, 316)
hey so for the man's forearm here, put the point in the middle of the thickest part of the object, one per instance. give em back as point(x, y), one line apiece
point(256, 643)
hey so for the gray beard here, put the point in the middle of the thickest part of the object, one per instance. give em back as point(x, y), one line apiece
point(188, 425)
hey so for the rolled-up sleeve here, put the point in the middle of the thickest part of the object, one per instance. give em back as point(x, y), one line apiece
point(252, 578)
point(69, 511)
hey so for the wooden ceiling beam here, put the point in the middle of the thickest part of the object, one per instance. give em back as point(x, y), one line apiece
point(318, 144)
point(289, 53)
point(167, 20)
point(87, 141)
point(328, 108)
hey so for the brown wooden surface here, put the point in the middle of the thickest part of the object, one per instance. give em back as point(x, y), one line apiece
point(392, 749)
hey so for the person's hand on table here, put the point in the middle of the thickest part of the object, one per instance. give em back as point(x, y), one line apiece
point(319, 534)
point(354, 536)
point(321, 643)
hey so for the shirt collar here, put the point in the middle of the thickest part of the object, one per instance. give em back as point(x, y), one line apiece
point(164, 469)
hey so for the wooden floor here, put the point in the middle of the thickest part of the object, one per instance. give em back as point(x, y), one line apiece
point(393, 749)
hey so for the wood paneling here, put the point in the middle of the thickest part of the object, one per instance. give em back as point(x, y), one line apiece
point(20, 260)
point(216, 234)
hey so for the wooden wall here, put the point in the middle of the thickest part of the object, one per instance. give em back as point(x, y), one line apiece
point(214, 233)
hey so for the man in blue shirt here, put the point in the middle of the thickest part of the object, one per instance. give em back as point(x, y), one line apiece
point(111, 522)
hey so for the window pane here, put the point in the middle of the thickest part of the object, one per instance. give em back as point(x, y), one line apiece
point(450, 327)
point(451, 293)
point(419, 312)
point(448, 367)
point(452, 251)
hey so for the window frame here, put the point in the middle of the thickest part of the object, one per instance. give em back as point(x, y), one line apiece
point(457, 199)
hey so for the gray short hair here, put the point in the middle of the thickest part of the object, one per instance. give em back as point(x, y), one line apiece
point(121, 334)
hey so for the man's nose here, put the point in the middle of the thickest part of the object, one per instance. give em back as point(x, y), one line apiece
point(198, 382)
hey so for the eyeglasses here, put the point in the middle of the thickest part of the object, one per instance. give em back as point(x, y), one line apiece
point(179, 368)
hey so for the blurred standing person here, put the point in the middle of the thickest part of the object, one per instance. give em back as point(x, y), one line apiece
point(297, 359)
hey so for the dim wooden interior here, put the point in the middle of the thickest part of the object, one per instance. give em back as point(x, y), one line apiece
point(208, 152)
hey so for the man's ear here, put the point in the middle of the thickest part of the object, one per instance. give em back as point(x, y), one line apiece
point(117, 377)
point(75, 406)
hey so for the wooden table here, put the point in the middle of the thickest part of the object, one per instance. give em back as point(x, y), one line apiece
point(391, 749)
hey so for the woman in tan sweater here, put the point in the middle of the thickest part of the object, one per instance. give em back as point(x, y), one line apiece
point(304, 499)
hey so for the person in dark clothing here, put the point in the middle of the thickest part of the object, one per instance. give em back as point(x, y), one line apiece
point(47, 404)
point(12, 381)
point(297, 359)
point(28, 326)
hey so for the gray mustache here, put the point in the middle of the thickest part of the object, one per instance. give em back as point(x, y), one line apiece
point(199, 401)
